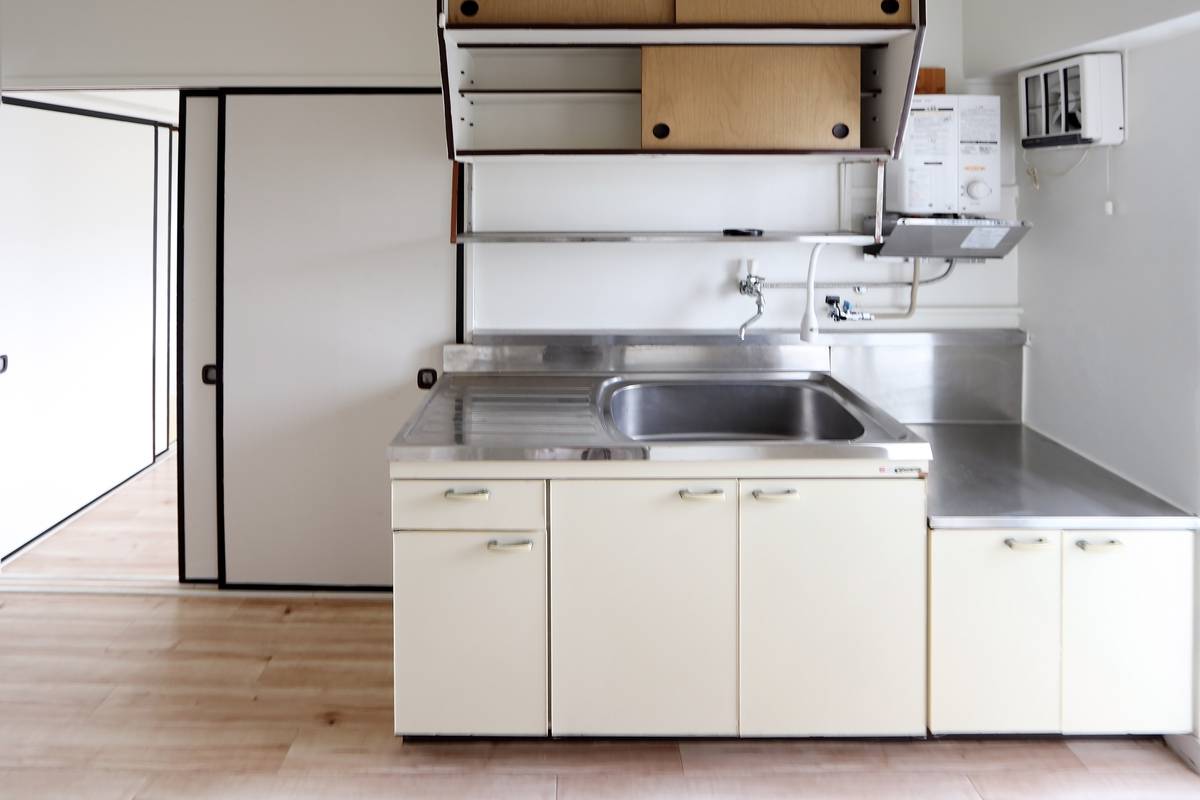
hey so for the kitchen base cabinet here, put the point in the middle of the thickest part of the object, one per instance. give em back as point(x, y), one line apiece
point(833, 608)
point(1127, 632)
point(470, 620)
point(644, 613)
point(994, 632)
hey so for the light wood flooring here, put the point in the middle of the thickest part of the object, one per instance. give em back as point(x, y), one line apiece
point(206, 695)
point(107, 696)
point(129, 535)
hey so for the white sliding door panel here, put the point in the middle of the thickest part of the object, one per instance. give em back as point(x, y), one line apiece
point(197, 286)
point(338, 286)
point(173, 293)
point(162, 294)
point(76, 275)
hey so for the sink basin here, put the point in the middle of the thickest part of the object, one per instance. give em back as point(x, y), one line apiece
point(694, 411)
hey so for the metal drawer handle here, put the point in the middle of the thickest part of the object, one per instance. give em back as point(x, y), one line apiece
point(477, 496)
point(496, 546)
point(1111, 546)
point(712, 496)
point(1037, 544)
point(776, 497)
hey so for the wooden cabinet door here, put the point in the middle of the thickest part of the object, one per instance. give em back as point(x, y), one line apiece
point(794, 12)
point(1127, 632)
point(833, 608)
point(995, 632)
point(643, 608)
point(562, 12)
point(751, 98)
point(470, 619)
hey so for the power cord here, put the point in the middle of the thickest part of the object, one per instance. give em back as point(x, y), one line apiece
point(1036, 176)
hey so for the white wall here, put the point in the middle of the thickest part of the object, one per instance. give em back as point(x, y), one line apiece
point(188, 43)
point(1004, 36)
point(1114, 370)
point(1111, 301)
point(76, 276)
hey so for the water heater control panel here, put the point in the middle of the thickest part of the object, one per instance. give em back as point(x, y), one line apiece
point(951, 160)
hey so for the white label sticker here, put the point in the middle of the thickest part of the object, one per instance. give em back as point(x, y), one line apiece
point(984, 238)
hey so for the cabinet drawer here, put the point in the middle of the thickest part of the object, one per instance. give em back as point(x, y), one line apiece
point(794, 12)
point(562, 12)
point(470, 506)
point(751, 98)
point(470, 621)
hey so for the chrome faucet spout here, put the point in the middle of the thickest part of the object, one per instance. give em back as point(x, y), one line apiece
point(746, 325)
point(752, 286)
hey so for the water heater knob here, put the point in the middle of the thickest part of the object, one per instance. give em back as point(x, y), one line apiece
point(978, 190)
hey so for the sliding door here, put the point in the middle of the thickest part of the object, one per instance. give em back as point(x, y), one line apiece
point(338, 285)
point(76, 313)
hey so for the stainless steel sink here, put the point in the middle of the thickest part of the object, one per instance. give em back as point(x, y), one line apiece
point(695, 411)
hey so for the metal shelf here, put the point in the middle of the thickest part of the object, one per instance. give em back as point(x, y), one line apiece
point(659, 237)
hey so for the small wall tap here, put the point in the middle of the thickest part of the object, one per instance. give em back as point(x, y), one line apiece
point(752, 286)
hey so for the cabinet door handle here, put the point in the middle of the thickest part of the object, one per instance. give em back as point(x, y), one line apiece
point(524, 546)
point(711, 496)
point(776, 497)
point(476, 496)
point(1036, 544)
point(1111, 546)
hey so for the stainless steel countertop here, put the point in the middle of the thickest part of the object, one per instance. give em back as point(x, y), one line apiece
point(511, 417)
point(1008, 476)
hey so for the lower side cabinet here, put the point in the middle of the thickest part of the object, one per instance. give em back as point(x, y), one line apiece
point(470, 619)
point(1061, 632)
point(995, 604)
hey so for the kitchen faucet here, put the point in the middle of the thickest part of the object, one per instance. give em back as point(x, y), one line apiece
point(752, 286)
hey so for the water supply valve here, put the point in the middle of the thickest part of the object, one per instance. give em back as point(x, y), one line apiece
point(844, 311)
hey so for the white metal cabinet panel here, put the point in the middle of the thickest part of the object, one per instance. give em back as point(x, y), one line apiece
point(995, 627)
point(470, 619)
point(76, 273)
point(466, 506)
point(833, 608)
point(1127, 632)
point(197, 290)
point(643, 608)
point(338, 287)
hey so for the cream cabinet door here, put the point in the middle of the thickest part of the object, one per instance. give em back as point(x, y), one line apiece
point(833, 608)
point(470, 618)
point(643, 621)
point(1127, 632)
point(995, 631)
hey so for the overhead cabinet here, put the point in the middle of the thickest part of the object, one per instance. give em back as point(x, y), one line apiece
point(568, 79)
point(793, 12)
point(751, 98)
point(562, 12)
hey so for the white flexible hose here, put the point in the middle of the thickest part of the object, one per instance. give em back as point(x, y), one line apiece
point(810, 330)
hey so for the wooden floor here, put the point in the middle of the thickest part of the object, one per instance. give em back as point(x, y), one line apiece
point(105, 696)
point(129, 535)
point(208, 695)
